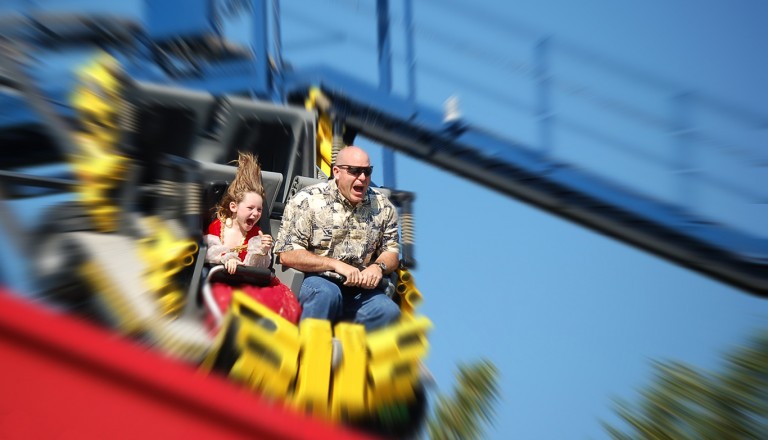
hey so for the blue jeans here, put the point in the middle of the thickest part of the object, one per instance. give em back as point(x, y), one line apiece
point(323, 299)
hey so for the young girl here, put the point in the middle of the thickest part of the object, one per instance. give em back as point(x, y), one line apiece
point(234, 238)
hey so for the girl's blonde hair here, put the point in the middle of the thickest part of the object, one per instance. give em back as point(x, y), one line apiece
point(247, 179)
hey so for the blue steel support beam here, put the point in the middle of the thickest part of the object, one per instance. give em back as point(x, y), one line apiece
point(731, 256)
point(410, 53)
point(260, 48)
point(385, 79)
point(384, 45)
point(277, 53)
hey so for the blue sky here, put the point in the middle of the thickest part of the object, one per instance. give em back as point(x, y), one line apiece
point(571, 318)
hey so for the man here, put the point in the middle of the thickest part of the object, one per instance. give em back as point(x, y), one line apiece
point(342, 226)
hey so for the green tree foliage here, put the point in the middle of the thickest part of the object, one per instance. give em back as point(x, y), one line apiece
point(464, 414)
point(686, 403)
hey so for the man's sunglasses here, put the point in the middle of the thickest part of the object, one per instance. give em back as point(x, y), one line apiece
point(356, 171)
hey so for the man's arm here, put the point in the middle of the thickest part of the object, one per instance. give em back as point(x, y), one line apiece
point(391, 259)
point(306, 261)
point(390, 245)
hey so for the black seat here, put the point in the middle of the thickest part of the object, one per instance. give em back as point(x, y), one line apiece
point(216, 179)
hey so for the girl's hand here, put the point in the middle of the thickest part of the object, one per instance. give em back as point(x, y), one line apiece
point(232, 264)
point(266, 242)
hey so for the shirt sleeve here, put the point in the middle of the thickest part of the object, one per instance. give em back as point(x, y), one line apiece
point(296, 226)
point(390, 241)
point(216, 252)
point(254, 257)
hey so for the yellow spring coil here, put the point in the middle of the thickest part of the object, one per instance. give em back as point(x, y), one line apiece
point(98, 99)
point(98, 163)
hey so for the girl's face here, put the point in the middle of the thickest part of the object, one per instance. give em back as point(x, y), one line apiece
point(248, 211)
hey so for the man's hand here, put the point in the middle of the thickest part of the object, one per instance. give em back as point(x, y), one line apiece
point(353, 275)
point(367, 278)
point(371, 276)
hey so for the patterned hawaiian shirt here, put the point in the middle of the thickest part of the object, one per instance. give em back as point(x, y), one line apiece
point(319, 219)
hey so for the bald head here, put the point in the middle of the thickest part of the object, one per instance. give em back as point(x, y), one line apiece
point(350, 154)
point(349, 174)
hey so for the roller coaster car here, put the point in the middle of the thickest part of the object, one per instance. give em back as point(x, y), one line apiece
point(126, 250)
point(338, 372)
